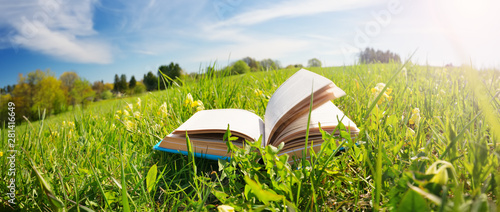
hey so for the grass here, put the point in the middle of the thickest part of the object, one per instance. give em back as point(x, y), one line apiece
point(443, 157)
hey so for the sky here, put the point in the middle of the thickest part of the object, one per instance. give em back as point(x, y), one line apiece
point(98, 39)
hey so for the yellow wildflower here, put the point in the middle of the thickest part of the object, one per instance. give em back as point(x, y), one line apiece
point(129, 125)
point(119, 112)
point(257, 92)
point(189, 100)
point(117, 117)
point(55, 134)
point(225, 208)
point(130, 107)
point(416, 110)
point(137, 114)
point(71, 124)
point(199, 105)
point(376, 91)
point(380, 101)
point(1, 154)
point(126, 113)
point(415, 116)
point(441, 173)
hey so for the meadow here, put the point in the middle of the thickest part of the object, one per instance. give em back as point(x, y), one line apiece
point(429, 140)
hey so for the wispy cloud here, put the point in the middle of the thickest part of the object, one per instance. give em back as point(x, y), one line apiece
point(294, 8)
point(261, 49)
point(57, 28)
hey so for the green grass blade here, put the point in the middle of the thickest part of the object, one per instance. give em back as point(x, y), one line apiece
point(124, 194)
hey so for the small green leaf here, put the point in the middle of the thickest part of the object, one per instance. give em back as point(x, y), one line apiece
point(151, 178)
point(57, 205)
point(221, 196)
point(413, 202)
point(263, 195)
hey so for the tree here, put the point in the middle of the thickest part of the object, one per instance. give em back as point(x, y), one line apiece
point(240, 67)
point(68, 79)
point(10, 88)
point(116, 84)
point(67, 83)
point(294, 66)
point(173, 71)
point(83, 92)
point(315, 62)
point(150, 81)
point(106, 94)
point(36, 92)
point(108, 86)
point(7, 89)
point(132, 82)
point(123, 83)
point(49, 95)
point(252, 63)
point(4, 108)
point(139, 88)
point(369, 55)
point(98, 87)
point(269, 64)
point(21, 96)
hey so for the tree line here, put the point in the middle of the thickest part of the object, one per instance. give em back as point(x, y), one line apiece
point(41, 92)
point(369, 55)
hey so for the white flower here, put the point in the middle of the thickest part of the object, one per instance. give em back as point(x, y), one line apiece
point(163, 109)
point(137, 114)
point(129, 125)
point(130, 106)
point(138, 102)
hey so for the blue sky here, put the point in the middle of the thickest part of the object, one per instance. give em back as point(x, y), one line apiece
point(98, 39)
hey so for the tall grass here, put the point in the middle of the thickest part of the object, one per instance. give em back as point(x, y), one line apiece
point(99, 158)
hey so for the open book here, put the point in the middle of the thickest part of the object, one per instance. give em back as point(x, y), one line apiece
point(285, 120)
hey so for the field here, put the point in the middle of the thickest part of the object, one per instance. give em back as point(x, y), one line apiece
point(429, 141)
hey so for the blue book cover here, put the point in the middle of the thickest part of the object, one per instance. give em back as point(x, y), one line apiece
point(196, 154)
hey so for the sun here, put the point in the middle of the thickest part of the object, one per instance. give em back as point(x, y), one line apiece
point(466, 14)
point(467, 24)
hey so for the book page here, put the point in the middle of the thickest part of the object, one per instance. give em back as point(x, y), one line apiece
point(328, 115)
point(242, 123)
point(292, 99)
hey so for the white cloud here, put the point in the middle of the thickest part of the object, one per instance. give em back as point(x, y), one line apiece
point(58, 28)
point(239, 40)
